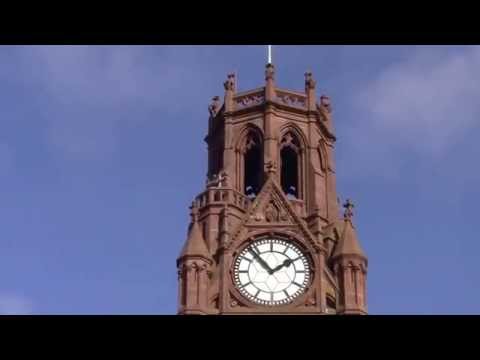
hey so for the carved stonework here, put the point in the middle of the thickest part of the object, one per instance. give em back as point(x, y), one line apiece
point(292, 100)
point(270, 72)
point(348, 214)
point(202, 267)
point(311, 302)
point(214, 106)
point(274, 213)
point(234, 302)
point(190, 267)
point(283, 215)
point(259, 217)
point(310, 83)
point(218, 180)
point(325, 108)
point(249, 100)
point(326, 103)
point(213, 181)
point(271, 167)
point(229, 85)
point(224, 179)
point(271, 213)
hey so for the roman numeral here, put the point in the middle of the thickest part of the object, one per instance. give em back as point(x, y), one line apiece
point(297, 284)
point(248, 283)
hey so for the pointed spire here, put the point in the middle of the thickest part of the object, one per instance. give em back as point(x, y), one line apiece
point(348, 243)
point(195, 244)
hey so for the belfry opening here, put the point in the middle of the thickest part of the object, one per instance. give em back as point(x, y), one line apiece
point(252, 165)
point(290, 166)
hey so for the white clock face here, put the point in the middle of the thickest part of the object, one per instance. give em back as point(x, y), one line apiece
point(272, 272)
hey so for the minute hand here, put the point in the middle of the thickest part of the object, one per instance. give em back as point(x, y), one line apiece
point(261, 261)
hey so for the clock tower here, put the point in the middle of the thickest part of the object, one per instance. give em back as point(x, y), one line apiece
point(266, 235)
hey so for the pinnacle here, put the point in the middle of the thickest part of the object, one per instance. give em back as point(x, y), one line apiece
point(348, 243)
point(195, 244)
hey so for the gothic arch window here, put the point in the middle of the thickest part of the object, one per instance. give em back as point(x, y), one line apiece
point(250, 162)
point(322, 154)
point(291, 165)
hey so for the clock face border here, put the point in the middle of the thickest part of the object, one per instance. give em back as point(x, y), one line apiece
point(306, 267)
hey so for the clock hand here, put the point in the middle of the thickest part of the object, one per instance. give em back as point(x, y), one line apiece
point(261, 261)
point(286, 263)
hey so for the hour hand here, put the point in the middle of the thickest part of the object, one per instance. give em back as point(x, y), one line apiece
point(286, 263)
point(261, 261)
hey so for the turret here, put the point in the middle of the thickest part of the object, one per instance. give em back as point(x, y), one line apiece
point(350, 266)
point(194, 270)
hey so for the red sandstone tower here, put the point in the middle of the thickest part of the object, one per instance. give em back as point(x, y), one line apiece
point(266, 236)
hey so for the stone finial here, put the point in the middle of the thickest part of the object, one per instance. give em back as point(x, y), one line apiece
point(348, 244)
point(348, 214)
point(230, 83)
point(270, 72)
point(214, 106)
point(310, 83)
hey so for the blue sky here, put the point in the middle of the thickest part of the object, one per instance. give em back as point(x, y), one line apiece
point(101, 152)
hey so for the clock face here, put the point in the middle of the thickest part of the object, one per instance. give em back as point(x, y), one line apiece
point(272, 272)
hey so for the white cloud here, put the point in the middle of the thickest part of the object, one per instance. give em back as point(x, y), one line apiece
point(420, 107)
point(428, 101)
point(88, 90)
point(15, 305)
point(117, 75)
